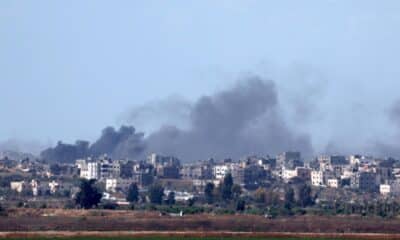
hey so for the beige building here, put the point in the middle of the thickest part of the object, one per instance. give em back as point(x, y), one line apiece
point(17, 186)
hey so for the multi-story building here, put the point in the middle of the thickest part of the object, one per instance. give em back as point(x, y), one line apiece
point(166, 166)
point(317, 178)
point(299, 172)
point(334, 163)
point(290, 160)
point(159, 160)
point(99, 169)
point(219, 171)
point(333, 183)
point(109, 169)
point(168, 171)
point(17, 186)
point(90, 170)
point(54, 186)
point(267, 163)
point(384, 189)
point(365, 181)
point(197, 171)
point(118, 184)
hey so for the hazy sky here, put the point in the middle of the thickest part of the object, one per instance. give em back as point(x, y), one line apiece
point(69, 68)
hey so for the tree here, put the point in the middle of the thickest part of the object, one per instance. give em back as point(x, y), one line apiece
point(208, 193)
point(289, 198)
point(191, 202)
point(171, 198)
point(259, 195)
point(156, 193)
point(236, 191)
point(271, 198)
point(240, 205)
point(226, 188)
point(88, 195)
point(133, 193)
point(305, 198)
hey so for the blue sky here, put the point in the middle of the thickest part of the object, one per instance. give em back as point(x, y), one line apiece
point(69, 68)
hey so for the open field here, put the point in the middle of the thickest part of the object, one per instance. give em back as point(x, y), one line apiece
point(95, 224)
point(188, 236)
point(111, 220)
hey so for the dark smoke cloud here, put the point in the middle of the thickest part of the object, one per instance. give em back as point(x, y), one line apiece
point(173, 110)
point(389, 147)
point(244, 120)
point(124, 143)
point(233, 123)
point(66, 153)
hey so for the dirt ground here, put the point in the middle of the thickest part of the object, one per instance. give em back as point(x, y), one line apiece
point(75, 221)
point(124, 235)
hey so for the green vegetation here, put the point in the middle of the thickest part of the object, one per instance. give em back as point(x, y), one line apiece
point(156, 193)
point(133, 193)
point(89, 195)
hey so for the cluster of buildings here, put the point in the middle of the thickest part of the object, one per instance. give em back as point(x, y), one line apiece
point(356, 173)
point(363, 173)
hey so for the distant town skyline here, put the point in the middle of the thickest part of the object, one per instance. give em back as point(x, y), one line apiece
point(69, 69)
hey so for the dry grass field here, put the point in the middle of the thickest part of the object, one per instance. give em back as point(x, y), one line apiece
point(133, 224)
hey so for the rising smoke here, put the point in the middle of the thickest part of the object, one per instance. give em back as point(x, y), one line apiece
point(124, 143)
point(243, 120)
point(389, 147)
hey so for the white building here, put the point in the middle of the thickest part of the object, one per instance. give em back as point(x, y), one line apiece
point(114, 184)
point(35, 187)
point(355, 159)
point(300, 172)
point(317, 178)
point(288, 174)
point(90, 170)
point(17, 186)
point(80, 163)
point(347, 173)
point(333, 183)
point(384, 189)
point(180, 196)
point(220, 171)
point(54, 186)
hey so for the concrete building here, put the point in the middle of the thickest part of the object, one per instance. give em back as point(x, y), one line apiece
point(365, 181)
point(168, 171)
point(290, 160)
point(54, 187)
point(333, 183)
point(219, 171)
point(304, 173)
point(384, 189)
point(267, 163)
point(300, 172)
point(109, 169)
point(317, 178)
point(333, 163)
point(157, 160)
point(90, 170)
point(118, 184)
point(17, 186)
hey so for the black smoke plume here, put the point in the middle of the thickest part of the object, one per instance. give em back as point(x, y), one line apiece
point(233, 123)
point(390, 147)
point(66, 153)
point(121, 144)
point(244, 120)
